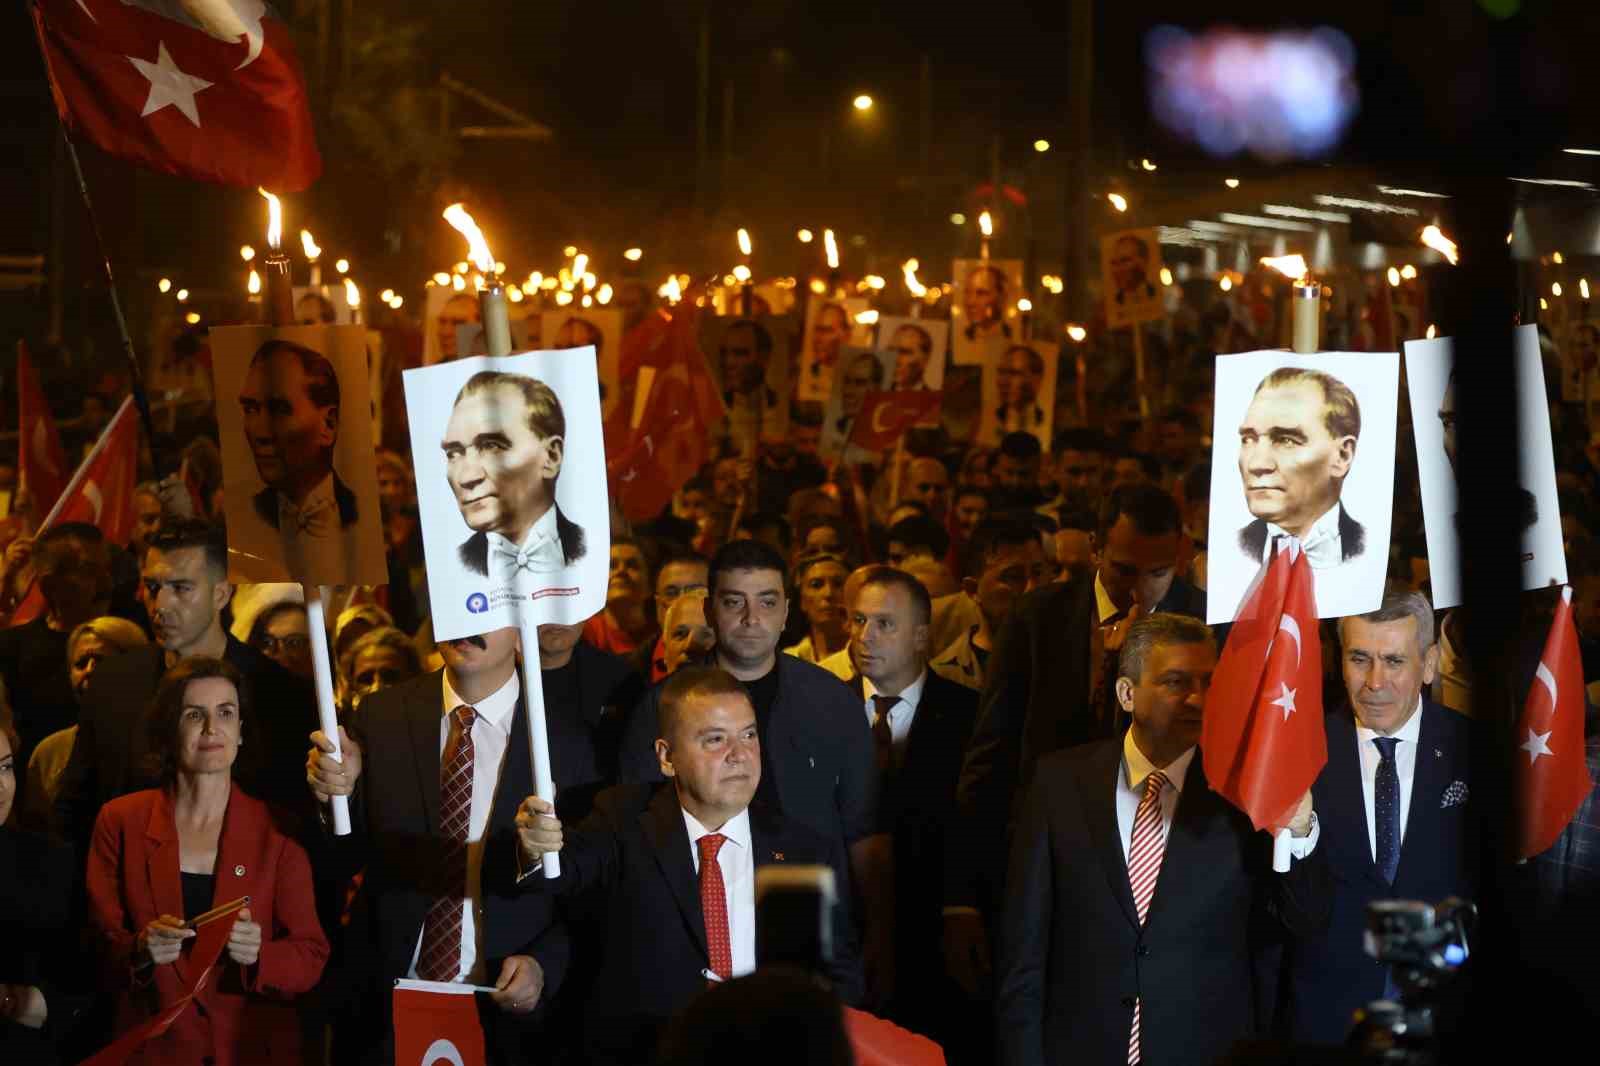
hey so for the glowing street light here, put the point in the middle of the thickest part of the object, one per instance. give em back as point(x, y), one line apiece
point(863, 102)
point(1232, 183)
point(1041, 146)
point(805, 236)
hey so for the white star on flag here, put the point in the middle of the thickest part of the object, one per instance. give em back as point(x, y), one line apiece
point(1285, 700)
point(169, 85)
point(1537, 745)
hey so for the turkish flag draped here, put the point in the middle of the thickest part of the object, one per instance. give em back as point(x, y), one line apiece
point(886, 415)
point(1553, 781)
point(101, 492)
point(40, 457)
point(1263, 734)
point(878, 1042)
point(659, 435)
point(437, 1028)
point(208, 90)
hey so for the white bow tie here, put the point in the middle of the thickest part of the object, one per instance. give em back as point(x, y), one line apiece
point(315, 519)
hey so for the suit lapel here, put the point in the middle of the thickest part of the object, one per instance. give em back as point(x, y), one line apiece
point(1345, 808)
point(1429, 779)
point(163, 867)
point(1185, 857)
point(1100, 811)
point(422, 717)
point(663, 827)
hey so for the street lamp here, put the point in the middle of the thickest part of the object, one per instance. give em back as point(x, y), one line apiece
point(863, 102)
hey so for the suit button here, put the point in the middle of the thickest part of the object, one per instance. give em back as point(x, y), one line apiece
point(1128, 1001)
point(1144, 951)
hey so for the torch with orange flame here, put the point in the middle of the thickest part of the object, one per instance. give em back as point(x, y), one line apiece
point(492, 293)
point(986, 229)
point(1307, 300)
point(278, 307)
point(1435, 238)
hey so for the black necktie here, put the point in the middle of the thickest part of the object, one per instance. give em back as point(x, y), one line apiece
point(1386, 808)
point(882, 735)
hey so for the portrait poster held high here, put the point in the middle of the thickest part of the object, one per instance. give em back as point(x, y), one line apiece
point(1430, 375)
point(1130, 270)
point(859, 372)
point(1303, 445)
point(295, 418)
point(918, 347)
point(983, 315)
point(830, 327)
point(1019, 392)
point(749, 357)
point(599, 328)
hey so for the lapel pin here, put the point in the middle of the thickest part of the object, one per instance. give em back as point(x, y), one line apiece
point(1437, 754)
point(238, 871)
point(777, 856)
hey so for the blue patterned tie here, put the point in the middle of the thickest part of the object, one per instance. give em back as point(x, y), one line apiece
point(1386, 808)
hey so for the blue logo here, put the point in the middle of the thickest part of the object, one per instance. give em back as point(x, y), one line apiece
point(477, 603)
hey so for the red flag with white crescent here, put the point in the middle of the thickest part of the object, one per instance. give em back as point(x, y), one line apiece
point(436, 1028)
point(101, 492)
point(884, 416)
point(1552, 777)
point(41, 460)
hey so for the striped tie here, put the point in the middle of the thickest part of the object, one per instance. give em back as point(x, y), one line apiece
point(439, 958)
point(1145, 851)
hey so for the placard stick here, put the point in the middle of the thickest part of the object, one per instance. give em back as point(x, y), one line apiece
point(1138, 370)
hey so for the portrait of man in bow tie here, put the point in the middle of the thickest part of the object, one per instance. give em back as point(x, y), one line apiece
point(1297, 443)
point(503, 450)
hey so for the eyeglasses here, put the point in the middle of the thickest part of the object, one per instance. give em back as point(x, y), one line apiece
point(294, 643)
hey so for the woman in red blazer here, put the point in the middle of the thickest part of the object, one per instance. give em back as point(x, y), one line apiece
point(163, 856)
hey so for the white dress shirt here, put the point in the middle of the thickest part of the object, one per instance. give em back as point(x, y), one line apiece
point(736, 858)
point(1323, 543)
point(902, 714)
point(540, 551)
point(1405, 764)
point(491, 734)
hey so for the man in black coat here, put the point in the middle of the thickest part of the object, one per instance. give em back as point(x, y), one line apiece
point(418, 869)
point(674, 867)
point(1395, 805)
point(1138, 899)
point(587, 696)
point(1050, 686)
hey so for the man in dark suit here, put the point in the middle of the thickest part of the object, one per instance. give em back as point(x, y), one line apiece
point(920, 725)
point(1395, 807)
point(674, 867)
point(503, 449)
point(1138, 897)
point(1297, 443)
point(185, 580)
point(435, 775)
point(1050, 686)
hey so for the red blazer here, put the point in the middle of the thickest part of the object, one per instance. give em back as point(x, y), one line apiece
point(133, 879)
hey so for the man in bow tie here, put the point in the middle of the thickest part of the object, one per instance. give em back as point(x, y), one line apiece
point(503, 449)
point(290, 403)
point(1297, 444)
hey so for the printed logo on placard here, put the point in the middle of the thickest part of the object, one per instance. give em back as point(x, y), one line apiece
point(477, 603)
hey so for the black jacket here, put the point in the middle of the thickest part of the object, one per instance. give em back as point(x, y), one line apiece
point(474, 551)
point(633, 853)
point(584, 739)
point(266, 504)
point(36, 946)
point(1073, 957)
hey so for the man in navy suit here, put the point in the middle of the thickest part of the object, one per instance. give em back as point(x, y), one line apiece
point(673, 867)
point(1393, 802)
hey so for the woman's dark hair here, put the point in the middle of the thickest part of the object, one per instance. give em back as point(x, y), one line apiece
point(166, 711)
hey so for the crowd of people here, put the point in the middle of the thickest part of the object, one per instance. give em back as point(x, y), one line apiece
point(971, 687)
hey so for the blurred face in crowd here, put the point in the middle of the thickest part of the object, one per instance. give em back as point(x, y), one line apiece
point(556, 641)
point(807, 439)
point(860, 377)
point(748, 612)
point(1167, 698)
point(694, 504)
point(685, 633)
point(208, 726)
point(146, 518)
point(457, 311)
point(183, 596)
point(888, 643)
point(1136, 567)
point(501, 471)
point(1174, 443)
point(823, 539)
point(971, 510)
point(8, 778)
point(980, 297)
point(312, 310)
point(1292, 467)
point(629, 575)
point(77, 583)
point(1008, 572)
point(673, 581)
point(1127, 470)
point(1018, 377)
point(822, 595)
point(1385, 667)
point(743, 363)
point(1078, 475)
point(900, 553)
point(377, 667)
point(725, 482)
point(485, 655)
point(975, 471)
point(930, 486)
point(394, 488)
point(912, 349)
point(1013, 474)
point(284, 636)
point(85, 655)
point(828, 332)
point(1074, 552)
point(713, 756)
point(575, 333)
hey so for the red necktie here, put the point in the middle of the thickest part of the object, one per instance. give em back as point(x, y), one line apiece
point(440, 956)
point(714, 905)
point(1146, 848)
point(882, 734)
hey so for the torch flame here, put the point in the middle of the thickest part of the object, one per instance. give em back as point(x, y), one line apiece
point(741, 273)
point(309, 245)
point(580, 265)
point(1076, 332)
point(744, 241)
point(253, 286)
point(832, 247)
point(916, 288)
point(986, 224)
point(1292, 267)
point(1434, 238)
point(478, 247)
point(274, 220)
point(1583, 287)
point(867, 318)
point(352, 295)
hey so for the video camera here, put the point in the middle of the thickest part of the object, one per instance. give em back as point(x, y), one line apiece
point(1425, 947)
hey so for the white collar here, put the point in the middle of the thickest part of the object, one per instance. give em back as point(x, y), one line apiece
point(321, 493)
point(736, 829)
point(1323, 543)
point(1102, 600)
point(543, 530)
point(1411, 732)
point(1137, 767)
point(496, 708)
point(911, 694)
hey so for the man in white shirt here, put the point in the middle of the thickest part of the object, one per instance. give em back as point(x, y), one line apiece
point(503, 449)
point(673, 867)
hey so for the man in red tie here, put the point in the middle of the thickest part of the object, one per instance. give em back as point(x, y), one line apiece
point(1137, 895)
point(672, 868)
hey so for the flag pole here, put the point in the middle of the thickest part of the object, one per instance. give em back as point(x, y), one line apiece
point(135, 375)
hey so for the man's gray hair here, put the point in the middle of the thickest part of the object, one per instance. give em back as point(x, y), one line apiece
point(1400, 603)
point(1151, 632)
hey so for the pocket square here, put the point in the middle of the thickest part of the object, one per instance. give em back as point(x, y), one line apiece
point(1455, 795)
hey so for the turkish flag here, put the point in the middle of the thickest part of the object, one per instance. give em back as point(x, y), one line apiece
point(1553, 781)
point(659, 435)
point(202, 90)
point(437, 1028)
point(40, 458)
point(886, 415)
point(878, 1042)
point(101, 492)
point(1263, 734)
